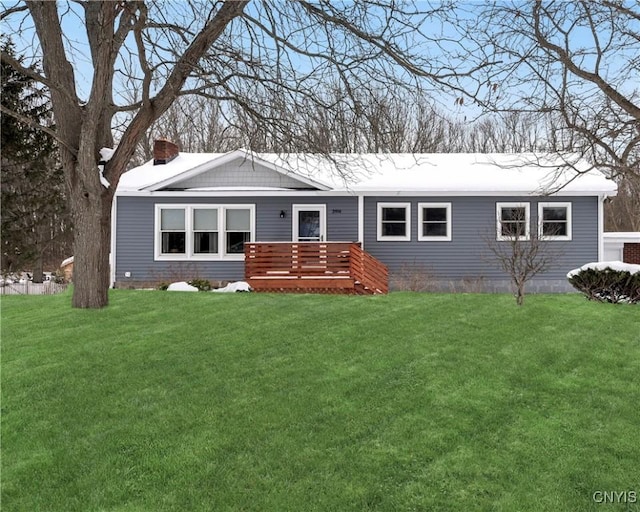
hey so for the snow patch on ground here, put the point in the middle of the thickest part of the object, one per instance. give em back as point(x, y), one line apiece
point(238, 286)
point(181, 286)
point(602, 265)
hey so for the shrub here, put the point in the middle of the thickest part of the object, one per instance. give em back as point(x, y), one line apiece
point(201, 284)
point(58, 277)
point(162, 286)
point(412, 277)
point(608, 282)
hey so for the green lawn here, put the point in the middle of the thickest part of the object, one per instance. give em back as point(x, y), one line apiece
point(249, 402)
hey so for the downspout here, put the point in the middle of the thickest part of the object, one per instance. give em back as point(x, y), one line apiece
point(601, 200)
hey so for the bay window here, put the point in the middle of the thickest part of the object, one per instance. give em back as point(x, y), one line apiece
point(204, 232)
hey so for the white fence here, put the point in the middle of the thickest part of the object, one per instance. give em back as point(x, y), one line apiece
point(29, 288)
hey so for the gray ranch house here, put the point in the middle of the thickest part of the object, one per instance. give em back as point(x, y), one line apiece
point(306, 222)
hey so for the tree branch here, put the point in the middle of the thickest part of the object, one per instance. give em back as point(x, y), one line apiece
point(34, 75)
point(564, 57)
point(30, 122)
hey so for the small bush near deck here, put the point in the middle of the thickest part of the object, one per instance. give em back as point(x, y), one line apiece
point(607, 284)
point(201, 284)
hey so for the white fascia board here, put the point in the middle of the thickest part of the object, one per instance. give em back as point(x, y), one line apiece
point(344, 192)
point(232, 193)
point(633, 236)
point(471, 193)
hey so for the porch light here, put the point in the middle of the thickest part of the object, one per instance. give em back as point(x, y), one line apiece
point(283, 214)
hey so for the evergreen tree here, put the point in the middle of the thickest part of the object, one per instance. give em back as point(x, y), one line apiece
point(34, 214)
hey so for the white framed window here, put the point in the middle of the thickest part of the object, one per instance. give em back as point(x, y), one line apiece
point(203, 232)
point(434, 222)
point(513, 221)
point(394, 222)
point(554, 221)
point(173, 230)
point(237, 229)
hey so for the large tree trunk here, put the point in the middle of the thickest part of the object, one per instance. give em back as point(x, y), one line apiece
point(38, 274)
point(91, 246)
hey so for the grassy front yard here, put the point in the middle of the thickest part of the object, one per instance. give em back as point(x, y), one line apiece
point(178, 401)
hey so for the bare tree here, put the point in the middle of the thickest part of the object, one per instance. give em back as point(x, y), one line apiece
point(622, 212)
point(237, 53)
point(519, 252)
point(577, 62)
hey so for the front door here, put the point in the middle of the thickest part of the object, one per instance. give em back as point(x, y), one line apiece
point(309, 223)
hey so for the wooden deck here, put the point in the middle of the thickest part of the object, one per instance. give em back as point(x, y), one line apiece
point(313, 267)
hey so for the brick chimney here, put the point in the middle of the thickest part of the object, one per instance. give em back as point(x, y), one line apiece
point(164, 151)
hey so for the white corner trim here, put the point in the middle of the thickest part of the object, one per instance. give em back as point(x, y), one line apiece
point(601, 200)
point(361, 220)
point(112, 256)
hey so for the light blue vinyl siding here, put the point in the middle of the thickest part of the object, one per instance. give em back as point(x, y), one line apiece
point(135, 234)
point(473, 222)
point(465, 256)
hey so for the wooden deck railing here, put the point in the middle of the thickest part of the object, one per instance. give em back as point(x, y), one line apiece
point(336, 267)
point(368, 271)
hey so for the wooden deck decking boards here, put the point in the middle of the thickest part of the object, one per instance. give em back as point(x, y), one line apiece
point(313, 267)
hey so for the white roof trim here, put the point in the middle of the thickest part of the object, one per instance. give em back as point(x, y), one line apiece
point(332, 193)
point(227, 158)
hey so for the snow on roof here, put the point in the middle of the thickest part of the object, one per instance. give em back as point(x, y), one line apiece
point(455, 173)
point(148, 174)
point(66, 262)
point(630, 236)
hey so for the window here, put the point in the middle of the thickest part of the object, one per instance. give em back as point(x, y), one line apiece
point(554, 221)
point(513, 221)
point(434, 221)
point(205, 232)
point(394, 221)
point(172, 228)
point(237, 229)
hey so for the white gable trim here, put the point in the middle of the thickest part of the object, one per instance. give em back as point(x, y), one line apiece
point(227, 158)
